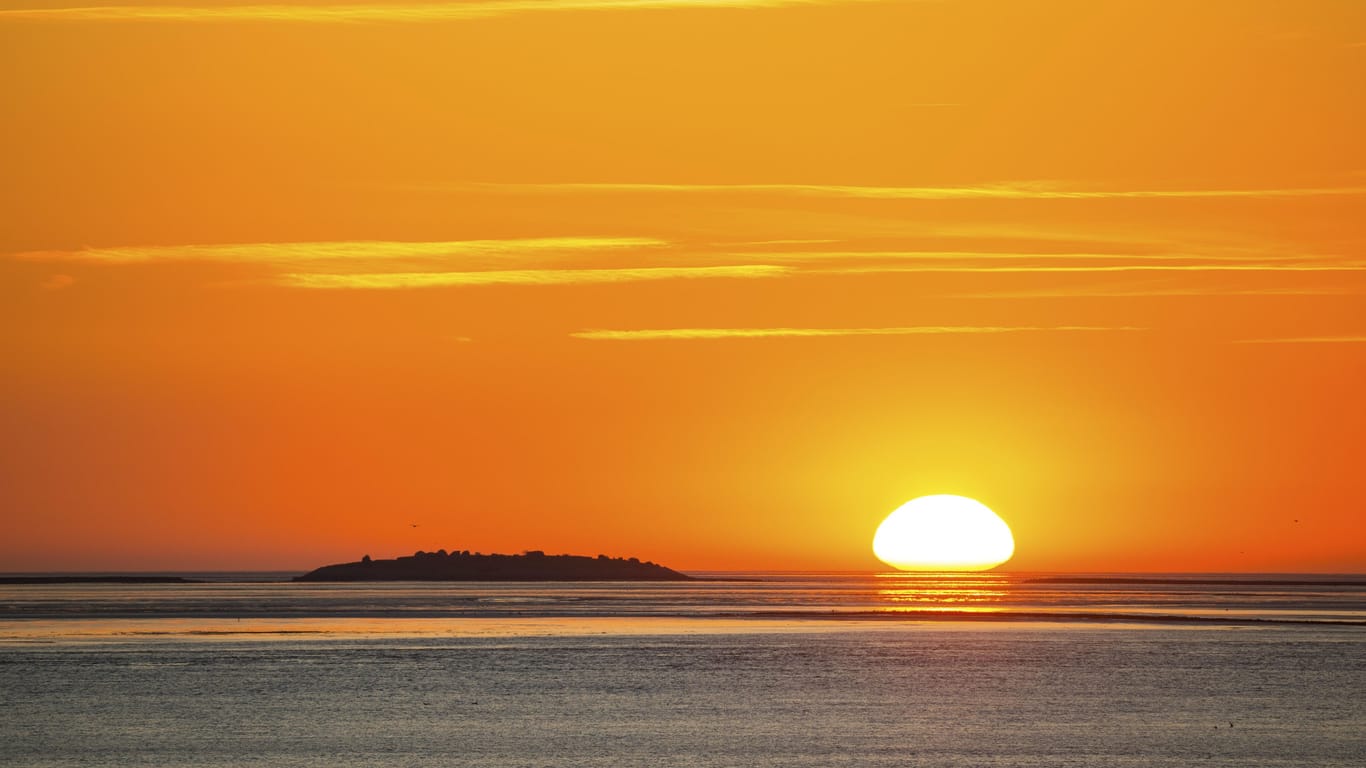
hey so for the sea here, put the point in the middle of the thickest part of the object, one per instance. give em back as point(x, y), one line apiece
point(738, 670)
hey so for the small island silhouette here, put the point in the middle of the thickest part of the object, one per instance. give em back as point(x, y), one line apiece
point(534, 565)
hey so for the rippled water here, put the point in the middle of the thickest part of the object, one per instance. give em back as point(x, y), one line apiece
point(795, 670)
point(1278, 597)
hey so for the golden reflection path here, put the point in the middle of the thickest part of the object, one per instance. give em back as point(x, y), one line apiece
point(964, 591)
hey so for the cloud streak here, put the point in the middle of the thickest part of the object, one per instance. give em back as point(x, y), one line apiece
point(398, 280)
point(372, 13)
point(774, 333)
point(1143, 292)
point(763, 265)
point(341, 251)
point(58, 282)
point(1045, 268)
point(938, 257)
point(1307, 340)
point(1028, 190)
point(386, 264)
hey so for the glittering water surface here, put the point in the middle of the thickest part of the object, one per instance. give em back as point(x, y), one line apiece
point(1315, 598)
point(715, 674)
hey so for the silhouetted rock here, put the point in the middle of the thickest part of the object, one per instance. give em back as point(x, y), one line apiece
point(463, 566)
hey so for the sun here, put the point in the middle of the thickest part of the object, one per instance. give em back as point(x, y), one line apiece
point(943, 533)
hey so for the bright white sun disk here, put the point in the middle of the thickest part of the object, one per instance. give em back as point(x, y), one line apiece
point(943, 533)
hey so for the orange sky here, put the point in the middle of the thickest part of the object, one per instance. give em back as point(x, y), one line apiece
point(716, 283)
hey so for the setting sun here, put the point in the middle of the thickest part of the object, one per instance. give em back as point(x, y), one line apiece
point(518, 382)
point(943, 533)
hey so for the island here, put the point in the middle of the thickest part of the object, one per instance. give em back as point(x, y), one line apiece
point(466, 566)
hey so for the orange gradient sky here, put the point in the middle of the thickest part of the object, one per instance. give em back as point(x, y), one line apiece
point(715, 283)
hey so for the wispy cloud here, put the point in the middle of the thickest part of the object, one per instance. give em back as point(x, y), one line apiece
point(808, 241)
point(57, 282)
point(939, 258)
point(1099, 268)
point(771, 333)
point(1026, 190)
point(393, 280)
point(579, 259)
point(1307, 340)
point(373, 12)
point(340, 251)
point(1117, 292)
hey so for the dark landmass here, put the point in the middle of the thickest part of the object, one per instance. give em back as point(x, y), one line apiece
point(464, 566)
point(1248, 582)
point(98, 580)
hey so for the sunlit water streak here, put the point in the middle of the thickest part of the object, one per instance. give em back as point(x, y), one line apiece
point(1032, 596)
point(792, 670)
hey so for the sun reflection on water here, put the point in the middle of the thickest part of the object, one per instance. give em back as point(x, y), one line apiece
point(963, 591)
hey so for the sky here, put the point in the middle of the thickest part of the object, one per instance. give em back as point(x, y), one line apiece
point(713, 283)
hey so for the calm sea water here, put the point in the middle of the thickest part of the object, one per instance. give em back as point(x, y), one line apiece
point(793, 670)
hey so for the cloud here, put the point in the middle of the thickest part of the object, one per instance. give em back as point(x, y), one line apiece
point(1142, 291)
point(932, 258)
point(1027, 262)
point(341, 251)
point(394, 280)
point(372, 13)
point(57, 282)
point(1045, 268)
point(1026, 190)
point(941, 256)
point(809, 241)
point(381, 264)
point(1307, 340)
point(770, 333)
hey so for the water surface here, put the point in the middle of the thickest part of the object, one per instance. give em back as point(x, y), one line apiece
point(794, 670)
